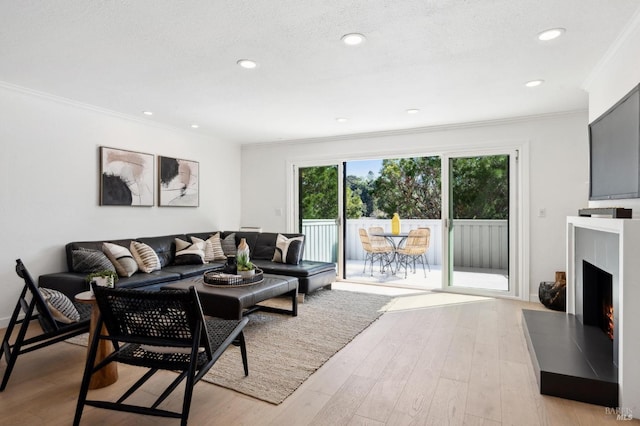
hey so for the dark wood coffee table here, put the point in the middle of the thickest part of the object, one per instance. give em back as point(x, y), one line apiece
point(233, 302)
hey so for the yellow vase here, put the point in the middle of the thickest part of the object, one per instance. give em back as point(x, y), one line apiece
point(395, 224)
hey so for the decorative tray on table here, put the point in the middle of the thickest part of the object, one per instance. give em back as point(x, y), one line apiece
point(221, 279)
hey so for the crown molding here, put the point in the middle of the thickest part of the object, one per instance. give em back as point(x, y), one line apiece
point(419, 130)
point(632, 25)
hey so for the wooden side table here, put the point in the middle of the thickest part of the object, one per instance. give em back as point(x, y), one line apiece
point(109, 373)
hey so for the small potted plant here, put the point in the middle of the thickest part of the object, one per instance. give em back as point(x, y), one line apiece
point(245, 268)
point(104, 278)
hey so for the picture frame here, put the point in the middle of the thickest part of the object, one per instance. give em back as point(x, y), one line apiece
point(178, 182)
point(126, 178)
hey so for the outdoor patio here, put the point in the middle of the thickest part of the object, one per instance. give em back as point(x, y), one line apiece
point(492, 279)
point(480, 252)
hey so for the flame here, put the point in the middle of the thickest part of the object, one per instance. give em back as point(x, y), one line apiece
point(608, 312)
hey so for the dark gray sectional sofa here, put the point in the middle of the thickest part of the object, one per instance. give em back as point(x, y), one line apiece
point(311, 275)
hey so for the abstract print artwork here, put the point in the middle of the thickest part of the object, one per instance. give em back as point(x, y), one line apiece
point(178, 182)
point(126, 178)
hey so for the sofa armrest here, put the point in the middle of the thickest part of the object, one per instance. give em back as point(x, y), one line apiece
point(69, 283)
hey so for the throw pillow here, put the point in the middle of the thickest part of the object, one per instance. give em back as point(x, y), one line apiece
point(88, 261)
point(146, 258)
point(189, 253)
point(61, 307)
point(288, 250)
point(121, 258)
point(212, 247)
point(229, 245)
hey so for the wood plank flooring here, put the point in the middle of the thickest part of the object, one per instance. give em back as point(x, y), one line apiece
point(455, 362)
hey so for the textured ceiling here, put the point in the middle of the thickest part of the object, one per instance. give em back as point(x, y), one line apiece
point(455, 60)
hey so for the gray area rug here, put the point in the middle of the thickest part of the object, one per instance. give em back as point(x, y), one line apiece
point(283, 351)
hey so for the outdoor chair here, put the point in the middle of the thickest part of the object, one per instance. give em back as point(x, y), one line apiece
point(35, 305)
point(162, 330)
point(375, 253)
point(414, 248)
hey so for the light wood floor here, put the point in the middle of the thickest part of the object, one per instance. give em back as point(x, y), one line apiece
point(435, 359)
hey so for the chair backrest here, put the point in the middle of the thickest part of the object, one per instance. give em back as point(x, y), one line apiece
point(47, 322)
point(364, 239)
point(417, 240)
point(428, 232)
point(171, 318)
point(376, 240)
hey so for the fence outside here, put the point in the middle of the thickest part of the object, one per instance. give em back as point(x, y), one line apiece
point(478, 243)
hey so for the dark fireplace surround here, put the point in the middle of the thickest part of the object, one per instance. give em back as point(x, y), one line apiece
point(576, 356)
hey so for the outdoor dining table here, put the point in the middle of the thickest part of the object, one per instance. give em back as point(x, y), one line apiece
point(396, 241)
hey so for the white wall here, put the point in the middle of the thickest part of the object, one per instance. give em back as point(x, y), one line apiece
point(615, 76)
point(558, 173)
point(49, 183)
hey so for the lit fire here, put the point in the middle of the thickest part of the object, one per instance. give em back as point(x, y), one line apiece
point(608, 313)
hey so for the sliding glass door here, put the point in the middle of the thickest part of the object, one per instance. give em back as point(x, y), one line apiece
point(479, 223)
point(318, 210)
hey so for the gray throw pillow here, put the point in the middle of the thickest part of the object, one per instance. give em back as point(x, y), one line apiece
point(87, 261)
point(229, 245)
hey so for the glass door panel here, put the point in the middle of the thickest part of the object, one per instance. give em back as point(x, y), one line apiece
point(478, 222)
point(318, 211)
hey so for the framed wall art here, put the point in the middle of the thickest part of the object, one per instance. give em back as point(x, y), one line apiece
point(179, 182)
point(126, 178)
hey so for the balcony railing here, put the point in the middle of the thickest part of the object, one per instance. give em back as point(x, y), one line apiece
point(478, 243)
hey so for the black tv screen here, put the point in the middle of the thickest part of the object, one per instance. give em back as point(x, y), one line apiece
point(614, 151)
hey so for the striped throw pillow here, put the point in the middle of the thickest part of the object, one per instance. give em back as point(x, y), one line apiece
point(121, 258)
point(145, 256)
point(212, 247)
point(60, 306)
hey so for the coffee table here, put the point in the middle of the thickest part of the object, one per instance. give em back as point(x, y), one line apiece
point(234, 302)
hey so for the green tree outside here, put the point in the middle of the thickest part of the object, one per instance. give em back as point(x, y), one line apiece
point(412, 188)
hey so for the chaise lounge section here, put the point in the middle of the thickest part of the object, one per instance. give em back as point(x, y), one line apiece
point(311, 275)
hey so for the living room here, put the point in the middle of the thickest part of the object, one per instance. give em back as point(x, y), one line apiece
point(50, 162)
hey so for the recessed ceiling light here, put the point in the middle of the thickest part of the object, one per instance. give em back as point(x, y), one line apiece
point(534, 83)
point(342, 120)
point(551, 34)
point(194, 126)
point(247, 63)
point(353, 39)
point(413, 111)
point(147, 112)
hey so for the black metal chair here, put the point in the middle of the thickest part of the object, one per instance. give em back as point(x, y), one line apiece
point(34, 306)
point(163, 330)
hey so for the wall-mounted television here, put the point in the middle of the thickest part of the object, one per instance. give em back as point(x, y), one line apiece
point(614, 150)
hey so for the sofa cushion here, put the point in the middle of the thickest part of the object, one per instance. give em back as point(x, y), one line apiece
point(288, 250)
point(144, 280)
point(145, 256)
point(187, 271)
point(189, 253)
point(88, 260)
point(305, 268)
point(121, 258)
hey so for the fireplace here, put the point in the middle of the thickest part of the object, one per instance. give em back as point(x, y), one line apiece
point(597, 303)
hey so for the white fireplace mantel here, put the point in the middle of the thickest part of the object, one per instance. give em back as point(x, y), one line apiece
point(627, 262)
